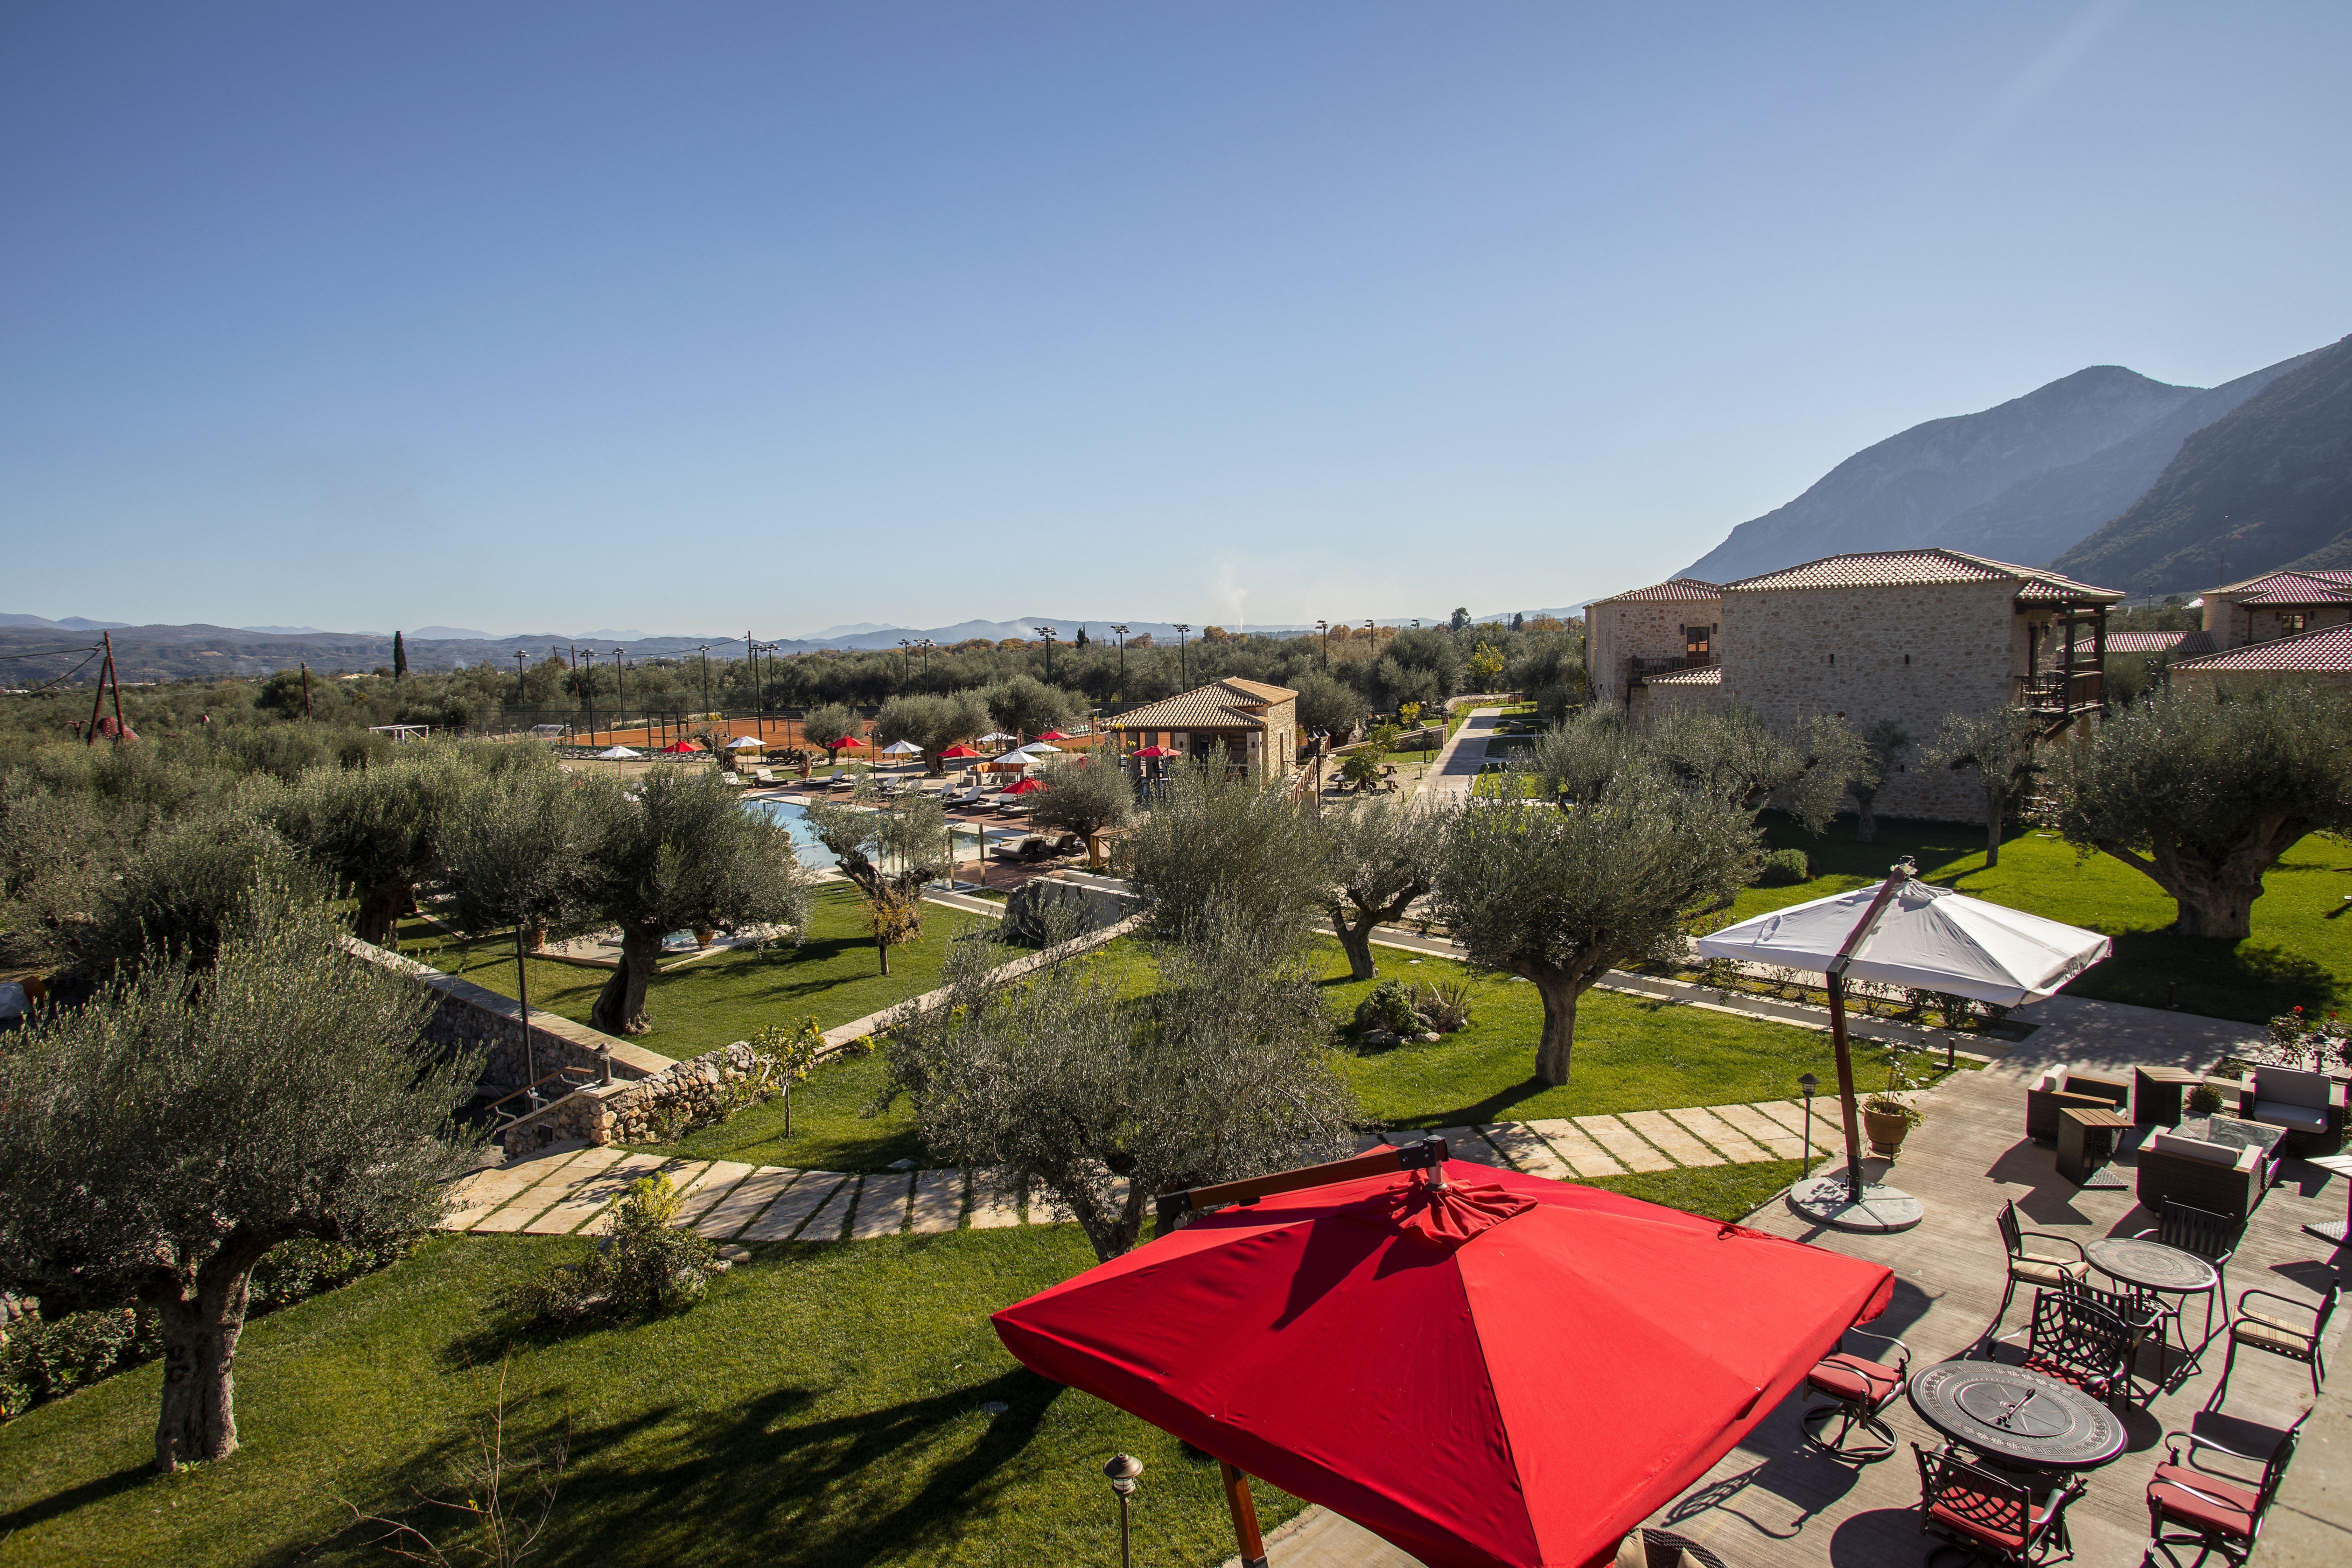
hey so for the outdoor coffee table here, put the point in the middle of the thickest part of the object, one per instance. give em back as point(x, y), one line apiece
point(2019, 1419)
point(2150, 1266)
point(2156, 1094)
point(2340, 1230)
point(2086, 1139)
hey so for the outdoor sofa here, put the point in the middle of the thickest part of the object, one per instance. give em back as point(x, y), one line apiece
point(2224, 1178)
point(2309, 1105)
point(2061, 1086)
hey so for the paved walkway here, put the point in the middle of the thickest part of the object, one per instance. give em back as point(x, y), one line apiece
point(566, 1188)
point(1448, 778)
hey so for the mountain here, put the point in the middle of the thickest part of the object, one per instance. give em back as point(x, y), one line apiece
point(1906, 489)
point(448, 634)
point(70, 623)
point(2269, 485)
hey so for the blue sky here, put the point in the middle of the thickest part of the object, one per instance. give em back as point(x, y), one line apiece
point(689, 318)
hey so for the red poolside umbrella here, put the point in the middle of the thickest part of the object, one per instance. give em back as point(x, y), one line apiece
point(1500, 1371)
point(848, 741)
point(1157, 751)
point(1052, 735)
point(1026, 785)
point(960, 750)
point(677, 747)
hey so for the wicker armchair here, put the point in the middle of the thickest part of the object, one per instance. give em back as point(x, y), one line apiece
point(2175, 1168)
point(2063, 1086)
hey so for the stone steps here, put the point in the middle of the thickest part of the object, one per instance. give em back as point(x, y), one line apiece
point(570, 1190)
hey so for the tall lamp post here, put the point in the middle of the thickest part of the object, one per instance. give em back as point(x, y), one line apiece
point(1184, 667)
point(705, 651)
point(1324, 628)
point(1048, 633)
point(518, 686)
point(588, 688)
point(1121, 631)
point(620, 689)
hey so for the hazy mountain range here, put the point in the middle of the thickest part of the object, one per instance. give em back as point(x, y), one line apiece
point(2024, 482)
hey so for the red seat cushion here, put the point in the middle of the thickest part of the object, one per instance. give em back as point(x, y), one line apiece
point(1992, 1519)
point(2224, 1507)
point(1854, 1379)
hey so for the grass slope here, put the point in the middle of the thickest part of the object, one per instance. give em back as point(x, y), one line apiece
point(833, 976)
point(2300, 953)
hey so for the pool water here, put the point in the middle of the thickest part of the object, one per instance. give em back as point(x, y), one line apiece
point(795, 817)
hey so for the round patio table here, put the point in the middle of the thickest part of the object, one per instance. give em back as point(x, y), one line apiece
point(2019, 1419)
point(2152, 1265)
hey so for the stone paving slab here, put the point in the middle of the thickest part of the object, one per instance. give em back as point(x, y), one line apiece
point(1670, 1138)
point(743, 1202)
point(826, 1222)
point(702, 1194)
point(1529, 1151)
point(1762, 1130)
point(882, 1206)
point(1791, 1115)
point(536, 1199)
point(472, 1198)
point(1718, 1135)
point(680, 1174)
point(1464, 1144)
point(938, 1202)
point(780, 1220)
point(594, 1193)
point(1573, 1144)
point(1624, 1145)
point(994, 1204)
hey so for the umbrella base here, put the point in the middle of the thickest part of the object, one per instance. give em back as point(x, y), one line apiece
point(1826, 1200)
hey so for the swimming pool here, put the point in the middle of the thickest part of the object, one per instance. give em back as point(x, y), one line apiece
point(795, 817)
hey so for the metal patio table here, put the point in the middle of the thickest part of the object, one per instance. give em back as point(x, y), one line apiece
point(2154, 1268)
point(2019, 1419)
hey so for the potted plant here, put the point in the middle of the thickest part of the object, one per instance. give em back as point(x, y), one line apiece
point(1887, 1116)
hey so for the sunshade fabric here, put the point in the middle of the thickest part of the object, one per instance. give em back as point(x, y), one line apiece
point(1929, 938)
point(1025, 787)
point(994, 736)
point(680, 748)
point(618, 753)
point(960, 749)
point(747, 744)
point(849, 740)
point(902, 749)
point(1516, 1375)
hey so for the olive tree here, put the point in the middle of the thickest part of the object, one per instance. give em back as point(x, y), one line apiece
point(1884, 743)
point(1211, 839)
point(2001, 746)
point(1085, 796)
point(1028, 707)
point(1561, 895)
point(376, 829)
point(157, 1143)
point(2203, 794)
point(1057, 1081)
point(829, 727)
point(1380, 855)
point(1329, 706)
point(888, 847)
point(1739, 757)
point(680, 852)
point(932, 722)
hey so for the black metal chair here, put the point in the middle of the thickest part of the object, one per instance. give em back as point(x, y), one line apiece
point(2140, 1319)
point(2210, 1511)
point(2025, 1268)
point(1990, 1515)
point(2078, 1342)
point(2274, 1329)
point(2211, 1237)
point(1858, 1389)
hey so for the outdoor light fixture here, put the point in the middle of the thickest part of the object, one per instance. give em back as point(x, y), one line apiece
point(1809, 1083)
point(1123, 1470)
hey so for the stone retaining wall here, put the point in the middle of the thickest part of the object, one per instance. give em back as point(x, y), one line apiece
point(655, 1109)
point(468, 1016)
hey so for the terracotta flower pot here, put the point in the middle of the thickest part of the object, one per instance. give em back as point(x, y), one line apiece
point(1886, 1133)
point(703, 936)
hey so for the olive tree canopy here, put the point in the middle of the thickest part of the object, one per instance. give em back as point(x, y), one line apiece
point(2203, 794)
point(2001, 746)
point(1214, 839)
point(889, 846)
point(1380, 855)
point(155, 1143)
point(1559, 895)
point(376, 829)
point(932, 722)
point(1084, 796)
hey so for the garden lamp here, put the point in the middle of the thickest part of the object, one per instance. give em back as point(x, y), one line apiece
point(1809, 1083)
point(1123, 1470)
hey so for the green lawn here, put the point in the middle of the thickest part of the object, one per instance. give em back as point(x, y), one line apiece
point(2300, 953)
point(832, 976)
point(821, 1406)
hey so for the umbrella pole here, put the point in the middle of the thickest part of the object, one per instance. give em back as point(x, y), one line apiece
point(1846, 1108)
point(1244, 1511)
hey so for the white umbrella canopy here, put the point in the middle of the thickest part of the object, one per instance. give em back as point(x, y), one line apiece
point(1929, 938)
point(902, 749)
point(997, 737)
point(747, 744)
point(618, 753)
point(1038, 748)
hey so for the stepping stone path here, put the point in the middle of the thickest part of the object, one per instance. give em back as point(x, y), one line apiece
point(570, 1190)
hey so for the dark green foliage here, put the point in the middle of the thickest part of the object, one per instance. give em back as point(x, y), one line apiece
point(644, 1265)
point(1388, 1009)
point(1213, 841)
point(1784, 868)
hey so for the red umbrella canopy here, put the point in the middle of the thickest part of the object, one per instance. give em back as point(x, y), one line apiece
point(960, 749)
point(1026, 785)
point(1157, 751)
point(849, 740)
point(1507, 1373)
point(1052, 735)
point(681, 746)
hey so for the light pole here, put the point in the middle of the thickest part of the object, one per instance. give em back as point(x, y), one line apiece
point(518, 687)
point(1325, 627)
point(621, 687)
point(1184, 667)
point(588, 688)
point(1122, 660)
point(1048, 633)
point(1123, 1471)
point(906, 660)
point(1809, 1083)
point(705, 651)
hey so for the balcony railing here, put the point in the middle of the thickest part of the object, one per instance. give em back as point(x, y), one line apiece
point(2056, 693)
point(1639, 669)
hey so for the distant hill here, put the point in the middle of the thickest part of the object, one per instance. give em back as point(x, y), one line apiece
point(70, 623)
point(1906, 489)
point(2267, 486)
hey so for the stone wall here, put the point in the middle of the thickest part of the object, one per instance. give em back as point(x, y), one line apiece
point(467, 1016)
point(1642, 628)
point(655, 1109)
point(1913, 654)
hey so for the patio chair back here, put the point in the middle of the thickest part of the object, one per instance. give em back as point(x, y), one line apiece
point(2208, 1234)
point(2013, 1234)
point(2079, 1341)
point(2130, 1310)
point(1983, 1510)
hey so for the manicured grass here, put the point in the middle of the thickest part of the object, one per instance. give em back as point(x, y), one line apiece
point(1630, 1054)
point(2300, 953)
point(831, 1131)
point(833, 976)
point(1718, 1192)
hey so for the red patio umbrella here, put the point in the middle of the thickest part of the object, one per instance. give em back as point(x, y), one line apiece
point(848, 741)
point(960, 750)
point(1486, 1369)
point(1157, 751)
point(1052, 735)
point(677, 747)
point(1026, 785)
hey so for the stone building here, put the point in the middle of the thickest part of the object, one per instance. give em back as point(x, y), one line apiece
point(2281, 604)
point(1253, 726)
point(1907, 635)
point(2324, 656)
point(1664, 629)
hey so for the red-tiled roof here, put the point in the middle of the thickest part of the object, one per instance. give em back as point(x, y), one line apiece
point(2329, 649)
point(2154, 642)
point(1674, 589)
point(1904, 568)
point(1227, 705)
point(2294, 588)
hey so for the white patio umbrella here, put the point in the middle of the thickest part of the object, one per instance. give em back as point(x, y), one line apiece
point(902, 749)
point(998, 738)
point(618, 753)
point(1904, 931)
point(1039, 748)
point(747, 744)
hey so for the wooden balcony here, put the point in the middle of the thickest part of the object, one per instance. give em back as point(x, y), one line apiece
point(2057, 695)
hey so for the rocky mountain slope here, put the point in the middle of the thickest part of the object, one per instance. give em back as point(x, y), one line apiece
point(2267, 486)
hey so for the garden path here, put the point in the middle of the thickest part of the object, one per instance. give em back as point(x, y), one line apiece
point(570, 1189)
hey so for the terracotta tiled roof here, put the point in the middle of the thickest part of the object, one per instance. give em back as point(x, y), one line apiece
point(1671, 589)
point(1902, 568)
point(1710, 676)
point(2329, 649)
point(2154, 642)
point(2294, 588)
point(1227, 705)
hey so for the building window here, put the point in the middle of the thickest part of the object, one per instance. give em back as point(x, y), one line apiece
point(1699, 644)
point(2291, 624)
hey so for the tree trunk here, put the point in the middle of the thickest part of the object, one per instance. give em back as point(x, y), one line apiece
point(380, 910)
point(1357, 939)
point(882, 948)
point(1865, 821)
point(1558, 993)
point(1993, 805)
point(620, 1006)
point(197, 1421)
